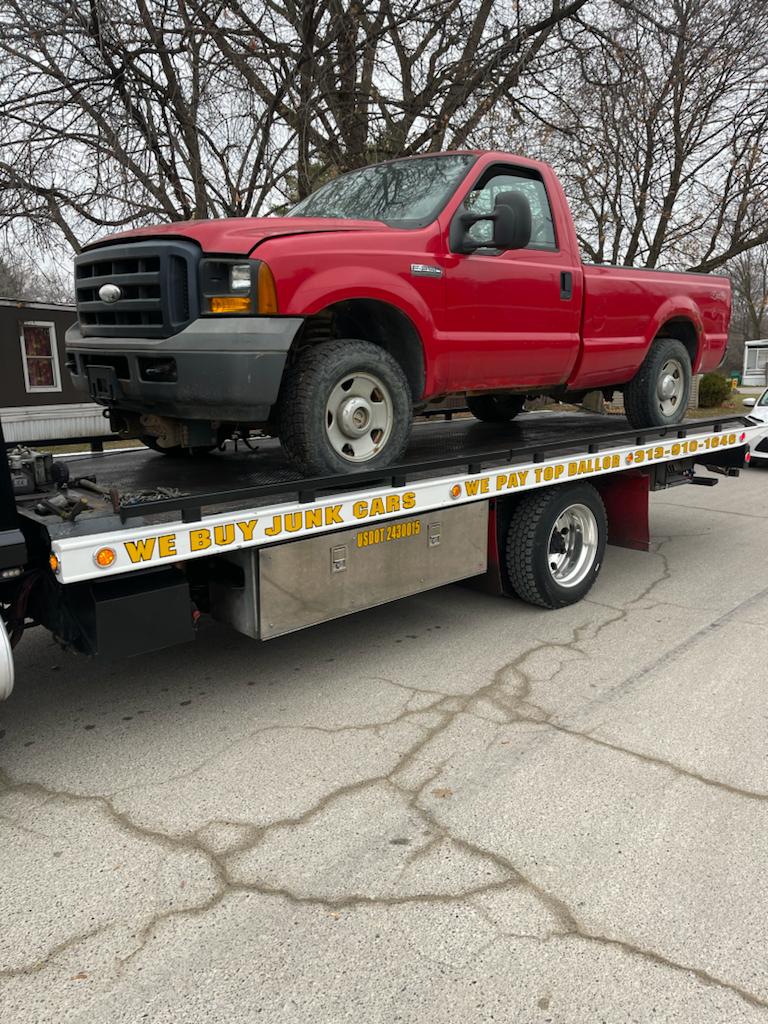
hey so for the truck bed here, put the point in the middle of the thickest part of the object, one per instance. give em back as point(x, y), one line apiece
point(625, 308)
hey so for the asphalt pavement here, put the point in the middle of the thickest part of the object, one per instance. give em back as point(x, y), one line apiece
point(455, 808)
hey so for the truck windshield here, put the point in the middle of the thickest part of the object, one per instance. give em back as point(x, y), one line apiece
point(403, 193)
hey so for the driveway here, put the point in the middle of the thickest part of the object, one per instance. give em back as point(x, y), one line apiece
point(451, 809)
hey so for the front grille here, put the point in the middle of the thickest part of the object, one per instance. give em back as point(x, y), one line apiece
point(762, 446)
point(157, 282)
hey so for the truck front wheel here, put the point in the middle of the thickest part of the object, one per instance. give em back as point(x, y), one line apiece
point(657, 396)
point(495, 408)
point(344, 405)
point(555, 543)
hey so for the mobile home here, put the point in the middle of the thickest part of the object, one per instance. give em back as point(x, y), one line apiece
point(37, 399)
point(755, 362)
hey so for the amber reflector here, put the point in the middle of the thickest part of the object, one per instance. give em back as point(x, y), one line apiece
point(104, 557)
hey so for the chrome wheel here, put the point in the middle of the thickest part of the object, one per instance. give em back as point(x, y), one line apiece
point(573, 545)
point(670, 387)
point(359, 417)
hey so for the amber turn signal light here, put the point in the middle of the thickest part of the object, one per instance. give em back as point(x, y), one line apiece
point(230, 304)
point(267, 290)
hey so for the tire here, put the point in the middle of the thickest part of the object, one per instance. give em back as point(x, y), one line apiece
point(345, 405)
point(176, 451)
point(667, 361)
point(538, 572)
point(495, 408)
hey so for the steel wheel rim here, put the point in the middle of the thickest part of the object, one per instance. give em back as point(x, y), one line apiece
point(572, 547)
point(359, 416)
point(670, 387)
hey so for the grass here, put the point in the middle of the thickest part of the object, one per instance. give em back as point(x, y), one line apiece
point(733, 406)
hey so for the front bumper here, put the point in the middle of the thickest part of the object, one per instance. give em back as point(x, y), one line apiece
point(758, 449)
point(228, 369)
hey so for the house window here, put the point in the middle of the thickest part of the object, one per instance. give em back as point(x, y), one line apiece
point(40, 356)
point(757, 358)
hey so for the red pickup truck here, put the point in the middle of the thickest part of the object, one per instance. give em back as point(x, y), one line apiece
point(387, 289)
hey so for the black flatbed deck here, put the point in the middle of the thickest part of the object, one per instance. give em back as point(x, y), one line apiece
point(154, 488)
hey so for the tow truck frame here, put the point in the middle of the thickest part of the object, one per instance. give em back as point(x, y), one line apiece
point(119, 552)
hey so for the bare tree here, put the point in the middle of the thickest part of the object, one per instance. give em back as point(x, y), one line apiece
point(123, 113)
point(654, 112)
point(749, 278)
point(383, 78)
point(29, 281)
point(136, 111)
point(656, 119)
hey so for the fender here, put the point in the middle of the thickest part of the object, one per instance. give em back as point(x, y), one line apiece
point(340, 284)
point(677, 307)
point(345, 283)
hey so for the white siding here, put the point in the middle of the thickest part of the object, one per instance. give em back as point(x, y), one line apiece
point(755, 371)
point(59, 422)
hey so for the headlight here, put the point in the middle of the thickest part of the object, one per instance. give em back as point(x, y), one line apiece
point(231, 287)
point(240, 277)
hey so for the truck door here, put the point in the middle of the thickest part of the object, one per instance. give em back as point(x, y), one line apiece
point(511, 318)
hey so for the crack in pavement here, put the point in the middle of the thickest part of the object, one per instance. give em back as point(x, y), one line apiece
point(406, 715)
point(718, 511)
point(659, 762)
point(516, 707)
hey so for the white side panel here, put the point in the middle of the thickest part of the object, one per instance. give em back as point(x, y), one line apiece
point(140, 547)
point(54, 422)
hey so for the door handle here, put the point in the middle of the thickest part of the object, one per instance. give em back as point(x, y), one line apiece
point(566, 285)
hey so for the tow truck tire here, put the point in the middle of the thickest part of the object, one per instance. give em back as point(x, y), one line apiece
point(344, 405)
point(495, 408)
point(176, 451)
point(555, 543)
point(657, 396)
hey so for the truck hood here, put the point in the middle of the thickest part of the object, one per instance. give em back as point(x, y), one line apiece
point(239, 236)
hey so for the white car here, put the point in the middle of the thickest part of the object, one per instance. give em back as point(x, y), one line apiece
point(758, 450)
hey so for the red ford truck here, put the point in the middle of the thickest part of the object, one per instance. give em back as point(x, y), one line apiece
point(386, 290)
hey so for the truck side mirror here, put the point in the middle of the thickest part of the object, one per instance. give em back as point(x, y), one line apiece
point(749, 402)
point(511, 219)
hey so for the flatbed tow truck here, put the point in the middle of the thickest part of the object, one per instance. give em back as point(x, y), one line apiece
point(119, 552)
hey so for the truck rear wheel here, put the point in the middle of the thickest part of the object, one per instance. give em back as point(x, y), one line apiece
point(495, 408)
point(657, 396)
point(555, 544)
point(344, 405)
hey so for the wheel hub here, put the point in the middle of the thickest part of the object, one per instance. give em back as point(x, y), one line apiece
point(359, 416)
point(670, 387)
point(354, 416)
point(573, 545)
